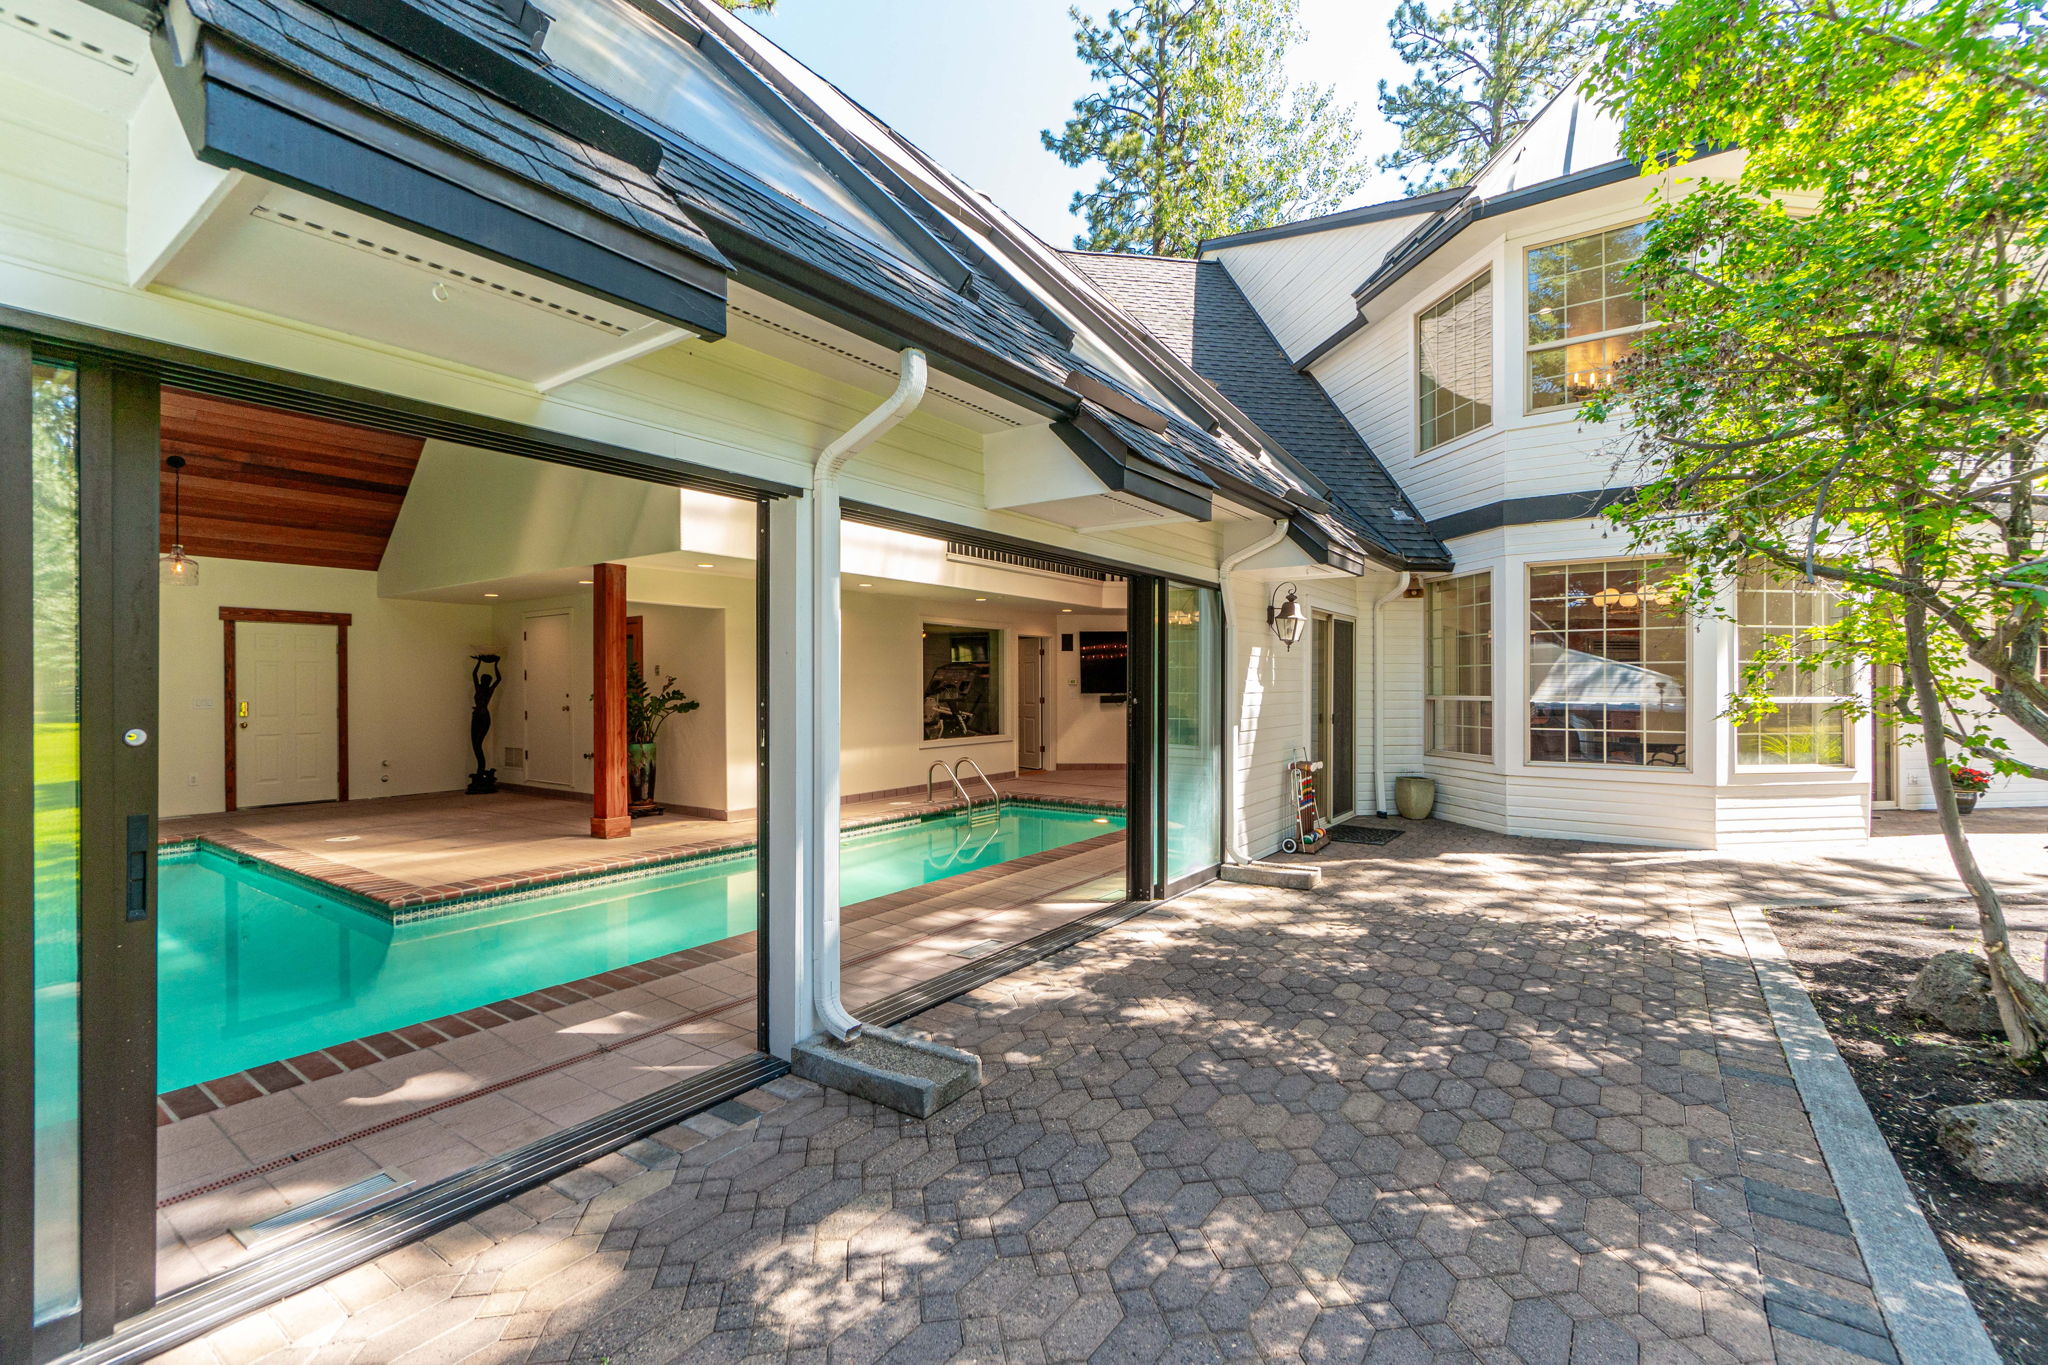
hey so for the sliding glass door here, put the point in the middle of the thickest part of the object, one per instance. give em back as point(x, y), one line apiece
point(1191, 722)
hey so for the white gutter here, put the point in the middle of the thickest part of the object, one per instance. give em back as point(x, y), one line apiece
point(1379, 692)
point(1233, 845)
point(822, 908)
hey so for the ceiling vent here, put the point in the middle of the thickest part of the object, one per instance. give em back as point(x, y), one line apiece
point(64, 38)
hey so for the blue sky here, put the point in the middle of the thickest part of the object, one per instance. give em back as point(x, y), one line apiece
point(973, 82)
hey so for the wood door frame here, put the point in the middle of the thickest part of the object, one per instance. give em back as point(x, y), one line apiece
point(229, 617)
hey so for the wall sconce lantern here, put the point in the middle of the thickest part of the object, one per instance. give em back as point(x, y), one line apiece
point(176, 569)
point(1286, 618)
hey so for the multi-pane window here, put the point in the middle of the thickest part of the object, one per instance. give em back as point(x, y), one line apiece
point(1775, 622)
point(1454, 363)
point(1583, 315)
point(1607, 658)
point(1460, 696)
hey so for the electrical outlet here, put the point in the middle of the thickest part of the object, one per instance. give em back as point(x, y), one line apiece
point(191, 779)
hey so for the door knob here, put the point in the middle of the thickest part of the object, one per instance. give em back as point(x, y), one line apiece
point(245, 725)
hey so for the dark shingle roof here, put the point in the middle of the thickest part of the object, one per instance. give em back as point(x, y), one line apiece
point(697, 200)
point(407, 89)
point(1197, 310)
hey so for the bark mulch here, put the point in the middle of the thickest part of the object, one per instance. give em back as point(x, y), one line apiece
point(1857, 961)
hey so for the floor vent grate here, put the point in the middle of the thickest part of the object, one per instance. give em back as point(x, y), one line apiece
point(333, 1202)
point(981, 949)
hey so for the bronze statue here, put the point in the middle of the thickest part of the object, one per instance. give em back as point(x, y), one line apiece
point(484, 780)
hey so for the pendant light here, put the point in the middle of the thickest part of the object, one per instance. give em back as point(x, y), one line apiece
point(177, 569)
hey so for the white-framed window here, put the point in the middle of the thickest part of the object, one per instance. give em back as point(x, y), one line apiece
point(1460, 692)
point(962, 682)
point(1583, 314)
point(1454, 364)
point(1607, 665)
point(1809, 727)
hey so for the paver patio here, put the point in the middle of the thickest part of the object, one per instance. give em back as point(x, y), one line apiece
point(1475, 1099)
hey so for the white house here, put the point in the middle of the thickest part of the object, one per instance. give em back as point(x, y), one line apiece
point(385, 387)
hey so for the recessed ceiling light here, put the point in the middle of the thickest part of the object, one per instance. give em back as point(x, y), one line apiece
point(490, 594)
point(582, 582)
point(1066, 611)
point(864, 585)
point(707, 566)
point(981, 599)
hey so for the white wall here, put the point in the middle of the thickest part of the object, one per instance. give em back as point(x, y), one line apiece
point(1302, 284)
point(1085, 728)
point(409, 689)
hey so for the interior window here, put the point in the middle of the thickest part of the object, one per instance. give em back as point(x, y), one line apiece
point(1583, 315)
point(1809, 726)
point(1454, 363)
point(962, 686)
point(1460, 697)
point(1607, 660)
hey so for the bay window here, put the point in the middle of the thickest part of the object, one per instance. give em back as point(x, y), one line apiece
point(1454, 364)
point(1775, 621)
point(1607, 665)
point(1460, 673)
point(1583, 315)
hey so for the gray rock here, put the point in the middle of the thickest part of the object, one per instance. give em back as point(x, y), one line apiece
point(1954, 990)
point(2005, 1141)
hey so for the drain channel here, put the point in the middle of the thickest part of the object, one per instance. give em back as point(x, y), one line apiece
point(335, 1201)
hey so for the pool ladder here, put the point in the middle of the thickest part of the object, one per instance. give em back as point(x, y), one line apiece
point(975, 804)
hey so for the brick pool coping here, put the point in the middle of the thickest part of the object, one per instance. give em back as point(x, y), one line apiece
point(239, 1087)
point(406, 903)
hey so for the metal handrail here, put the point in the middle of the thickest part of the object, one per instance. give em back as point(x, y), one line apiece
point(994, 795)
point(940, 765)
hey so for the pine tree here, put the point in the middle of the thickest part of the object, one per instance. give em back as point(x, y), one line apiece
point(1484, 68)
point(1197, 127)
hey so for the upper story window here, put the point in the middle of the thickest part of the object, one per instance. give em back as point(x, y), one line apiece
point(1583, 315)
point(1775, 622)
point(1454, 363)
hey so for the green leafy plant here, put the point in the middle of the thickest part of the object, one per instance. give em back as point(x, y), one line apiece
point(1849, 381)
point(649, 706)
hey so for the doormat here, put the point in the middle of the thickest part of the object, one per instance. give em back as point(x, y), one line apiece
point(1362, 834)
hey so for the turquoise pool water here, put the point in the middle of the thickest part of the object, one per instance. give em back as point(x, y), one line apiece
point(254, 967)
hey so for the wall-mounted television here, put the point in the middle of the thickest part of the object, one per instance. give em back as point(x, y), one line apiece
point(1105, 662)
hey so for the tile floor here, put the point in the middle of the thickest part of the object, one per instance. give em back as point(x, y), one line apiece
point(446, 841)
point(427, 1105)
point(1476, 1099)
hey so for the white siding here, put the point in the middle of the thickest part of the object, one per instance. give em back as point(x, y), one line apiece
point(1302, 284)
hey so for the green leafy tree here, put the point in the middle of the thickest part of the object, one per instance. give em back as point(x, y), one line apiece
point(1197, 127)
point(1483, 69)
point(1850, 383)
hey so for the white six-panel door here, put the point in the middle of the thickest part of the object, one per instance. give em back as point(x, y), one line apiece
point(289, 742)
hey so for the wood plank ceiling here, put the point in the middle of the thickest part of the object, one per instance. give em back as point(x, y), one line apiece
point(280, 487)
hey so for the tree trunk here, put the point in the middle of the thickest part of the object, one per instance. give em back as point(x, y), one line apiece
point(2022, 1004)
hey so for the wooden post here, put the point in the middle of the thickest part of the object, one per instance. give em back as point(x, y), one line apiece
point(609, 815)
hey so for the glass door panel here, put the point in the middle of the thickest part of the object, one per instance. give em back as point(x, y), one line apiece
point(53, 666)
point(1193, 722)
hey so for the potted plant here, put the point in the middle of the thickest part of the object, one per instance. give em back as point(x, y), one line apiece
point(1968, 784)
point(648, 707)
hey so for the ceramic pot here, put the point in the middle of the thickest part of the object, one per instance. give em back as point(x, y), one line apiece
point(1414, 797)
point(1966, 802)
point(640, 773)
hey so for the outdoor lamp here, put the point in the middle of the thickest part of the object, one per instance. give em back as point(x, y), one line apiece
point(177, 569)
point(1286, 618)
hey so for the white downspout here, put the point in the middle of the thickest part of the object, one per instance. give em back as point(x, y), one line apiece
point(1379, 692)
point(822, 911)
point(1233, 846)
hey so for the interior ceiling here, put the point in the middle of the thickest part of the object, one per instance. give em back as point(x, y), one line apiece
point(279, 487)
